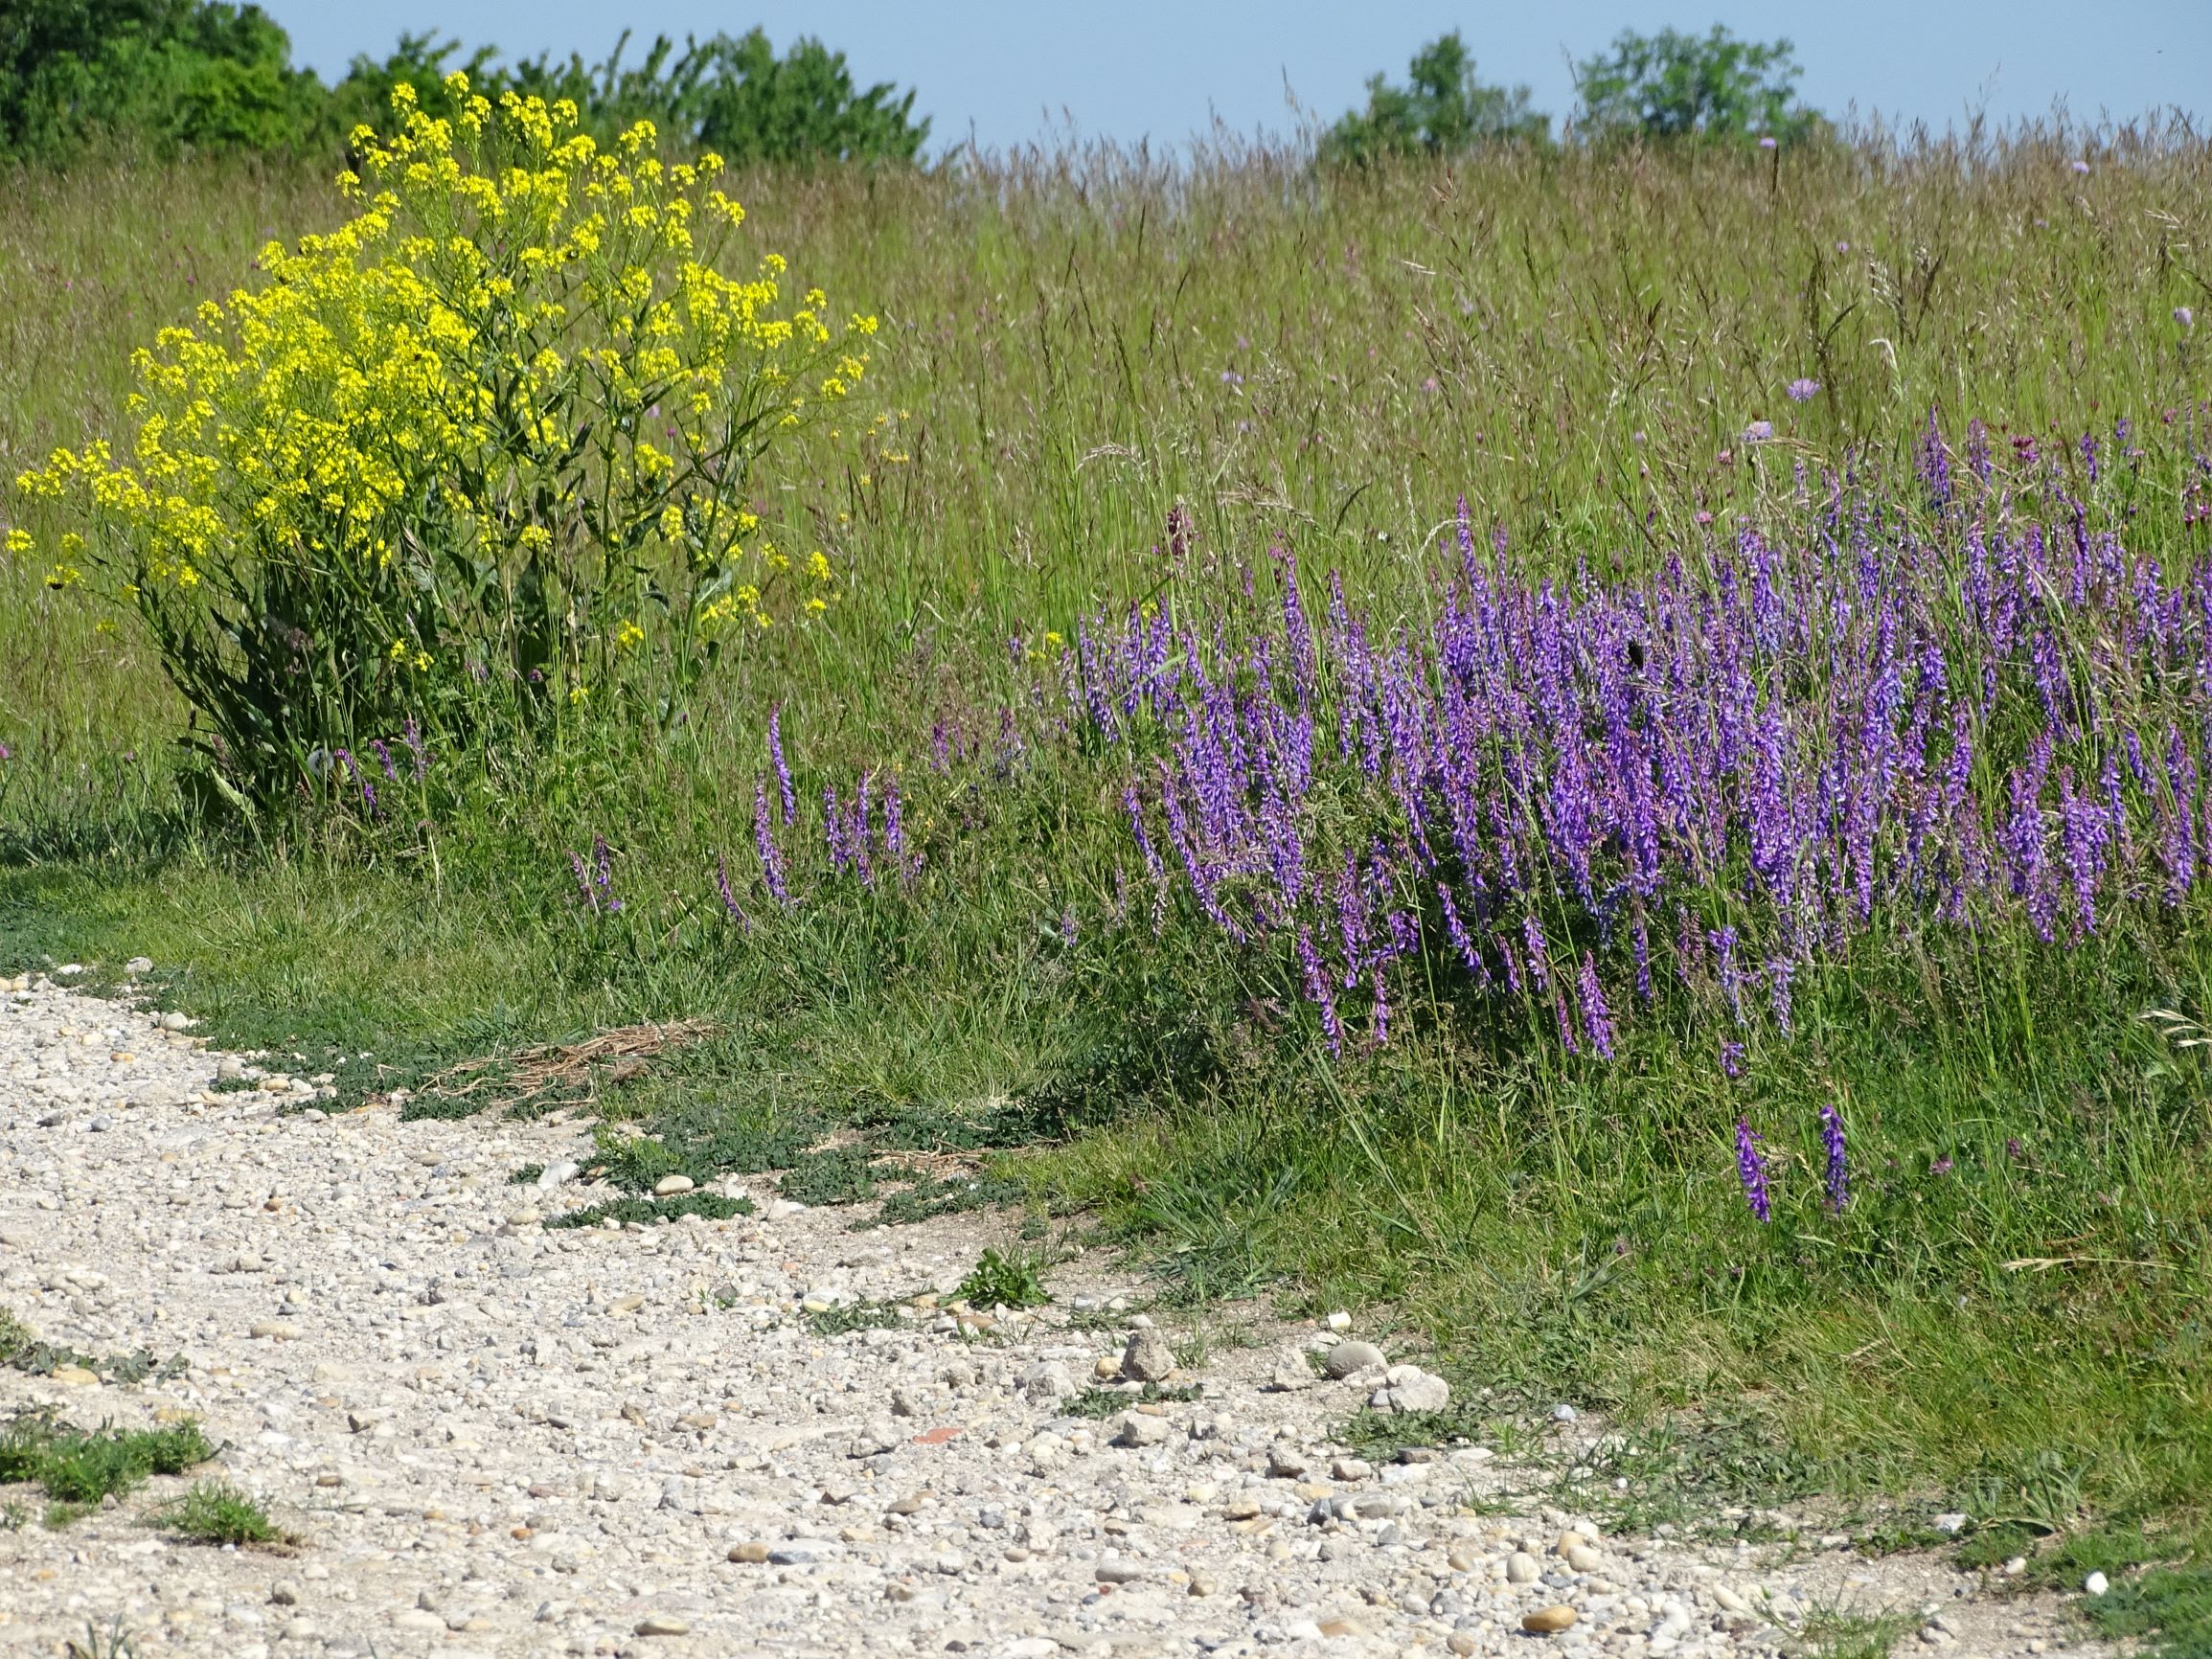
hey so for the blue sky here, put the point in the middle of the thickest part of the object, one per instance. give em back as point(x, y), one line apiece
point(1011, 72)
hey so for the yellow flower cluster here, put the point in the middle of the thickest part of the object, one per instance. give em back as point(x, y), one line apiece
point(518, 370)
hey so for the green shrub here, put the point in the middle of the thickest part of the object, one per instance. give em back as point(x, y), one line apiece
point(79, 1468)
point(734, 96)
point(163, 74)
point(476, 454)
point(208, 75)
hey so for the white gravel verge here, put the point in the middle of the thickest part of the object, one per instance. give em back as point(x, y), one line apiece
point(493, 1439)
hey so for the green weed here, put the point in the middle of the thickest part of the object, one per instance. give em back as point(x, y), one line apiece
point(79, 1468)
point(116, 1642)
point(997, 1280)
point(1104, 1402)
point(650, 1211)
point(1835, 1632)
point(21, 1348)
point(846, 1317)
point(211, 1512)
point(2168, 1610)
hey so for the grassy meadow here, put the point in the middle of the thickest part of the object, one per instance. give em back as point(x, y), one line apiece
point(1101, 381)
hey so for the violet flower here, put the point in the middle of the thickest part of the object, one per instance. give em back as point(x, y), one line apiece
point(1751, 1170)
point(722, 890)
point(1838, 1173)
point(764, 843)
point(783, 771)
point(1597, 1017)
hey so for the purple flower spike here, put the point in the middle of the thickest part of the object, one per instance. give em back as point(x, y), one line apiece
point(1318, 989)
point(595, 879)
point(729, 898)
point(895, 832)
point(1597, 1018)
point(764, 842)
point(1838, 1174)
point(1801, 390)
point(1751, 1170)
point(602, 873)
point(783, 771)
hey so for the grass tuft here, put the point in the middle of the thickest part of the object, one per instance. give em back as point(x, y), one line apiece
point(846, 1317)
point(78, 1468)
point(116, 1642)
point(1104, 1402)
point(211, 1512)
point(1840, 1633)
point(650, 1211)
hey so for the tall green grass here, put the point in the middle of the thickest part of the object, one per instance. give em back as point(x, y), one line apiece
point(1572, 339)
point(1075, 345)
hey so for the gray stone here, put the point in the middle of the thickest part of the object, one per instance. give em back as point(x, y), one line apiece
point(1147, 1358)
point(1348, 1357)
point(1047, 1382)
point(1290, 1374)
point(1408, 1388)
point(1139, 1428)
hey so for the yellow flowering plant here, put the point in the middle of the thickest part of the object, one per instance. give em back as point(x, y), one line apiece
point(465, 453)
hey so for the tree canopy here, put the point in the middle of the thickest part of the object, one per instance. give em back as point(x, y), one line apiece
point(1442, 109)
point(1673, 84)
point(210, 75)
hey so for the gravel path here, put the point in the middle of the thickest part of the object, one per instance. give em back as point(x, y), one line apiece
point(495, 1439)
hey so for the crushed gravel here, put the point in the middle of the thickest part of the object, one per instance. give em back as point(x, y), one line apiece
point(490, 1438)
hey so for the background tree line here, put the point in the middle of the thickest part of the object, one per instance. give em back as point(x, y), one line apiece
point(211, 75)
